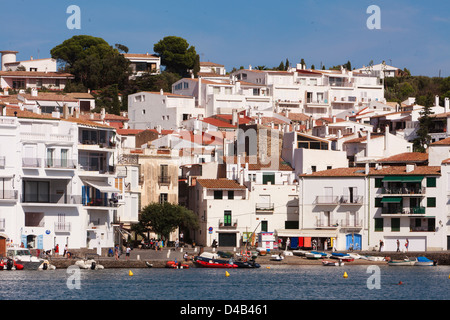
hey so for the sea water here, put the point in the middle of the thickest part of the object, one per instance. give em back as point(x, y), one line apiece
point(274, 282)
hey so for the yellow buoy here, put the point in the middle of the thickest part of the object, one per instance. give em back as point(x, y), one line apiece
point(130, 273)
point(227, 274)
point(268, 267)
point(345, 275)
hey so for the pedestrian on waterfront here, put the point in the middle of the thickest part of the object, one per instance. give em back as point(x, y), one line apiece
point(65, 250)
point(156, 245)
point(177, 244)
point(398, 245)
point(116, 252)
point(381, 244)
point(57, 249)
point(128, 252)
point(406, 245)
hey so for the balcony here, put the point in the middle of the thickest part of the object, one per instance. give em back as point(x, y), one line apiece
point(100, 202)
point(351, 200)
point(31, 163)
point(164, 180)
point(45, 199)
point(227, 224)
point(404, 191)
point(403, 211)
point(264, 207)
point(62, 227)
point(8, 195)
point(326, 200)
point(60, 164)
point(349, 223)
point(326, 223)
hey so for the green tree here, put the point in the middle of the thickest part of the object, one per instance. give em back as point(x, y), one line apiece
point(176, 55)
point(287, 64)
point(423, 139)
point(165, 218)
point(92, 61)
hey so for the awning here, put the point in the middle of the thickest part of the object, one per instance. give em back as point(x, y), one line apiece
point(403, 178)
point(313, 233)
point(103, 186)
point(391, 200)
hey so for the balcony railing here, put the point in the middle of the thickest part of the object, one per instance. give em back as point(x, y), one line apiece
point(400, 210)
point(164, 179)
point(227, 224)
point(326, 200)
point(8, 194)
point(100, 202)
point(62, 227)
point(51, 198)
point(349, 223)
point(351, 200)
point(266, 207)
point(60, 163)
point(404, 190)
point(31, 162)
point(325, 223)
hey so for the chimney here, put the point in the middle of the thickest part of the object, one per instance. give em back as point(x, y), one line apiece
point(199, 98)
point(334, 119)
point(368, 144)
point(161, 92)
point(34, 92)
point(446, 105)
point(65, 111)
point(234, 119)
point(125, 125)
point(410, 167)
point(102, 114)
point(6, 92)
point(436, 101)
point(76, 112)
point(250, 67)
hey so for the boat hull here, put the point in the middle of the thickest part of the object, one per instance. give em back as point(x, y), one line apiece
point(332, 263)
point(401, 263)
point(213, 263)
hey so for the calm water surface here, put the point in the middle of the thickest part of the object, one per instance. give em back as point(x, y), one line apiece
point(274, 283)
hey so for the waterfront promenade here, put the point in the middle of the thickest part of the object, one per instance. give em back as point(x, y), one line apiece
point(139, 257)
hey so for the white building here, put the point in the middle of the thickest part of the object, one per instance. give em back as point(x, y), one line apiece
point(148, 110)
point(10, 63)
point(143, 63)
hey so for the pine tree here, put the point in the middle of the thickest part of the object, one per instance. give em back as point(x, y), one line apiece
point(423, 139)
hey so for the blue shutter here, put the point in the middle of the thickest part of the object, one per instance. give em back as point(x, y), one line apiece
point(83, 195)
point(24, 240)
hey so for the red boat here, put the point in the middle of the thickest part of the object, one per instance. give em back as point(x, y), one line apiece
point(213, 263)
point(176, 265)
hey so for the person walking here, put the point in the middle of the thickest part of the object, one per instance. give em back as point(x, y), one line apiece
point(406, 245)
point(116, 252)
point(381, 244)
point(398, 245)
point(127, 253)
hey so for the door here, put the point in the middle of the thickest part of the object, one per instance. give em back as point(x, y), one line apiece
point(2, 246)
point(227, 240)
point(40, 242)
point(353, 241)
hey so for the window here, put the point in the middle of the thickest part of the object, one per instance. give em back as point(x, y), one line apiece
point(395, 224)
point(313, 168)
point(227, 218)
point(230, 195)
point(431, 182)
point(291, 224)
point(36, 191)
point(431, 202)
point(268, 177)
point(329, 167)
point(379, 224)
point(252, 177)
point(264, 226)
point(378, 182)
point(163, 198)
point(218, 194)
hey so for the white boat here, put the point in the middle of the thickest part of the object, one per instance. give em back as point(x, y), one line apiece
point(46, 265)
point(375, 258)
point(333, 263)
point(424, 262)
point(277, 257)
point(23, 256)
point(89, 264)
point(300, 253)
point(310, 255)
point(404, 262)
point(355, 256)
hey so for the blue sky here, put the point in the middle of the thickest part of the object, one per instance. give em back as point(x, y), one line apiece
point(413, 34)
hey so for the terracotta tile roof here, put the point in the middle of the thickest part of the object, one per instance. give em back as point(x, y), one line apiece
point(296, 116)
point(128, 132)
point(210, 64)
point(443, 142)
point(383, 171)
point(406, 157)
point(222, 184)
point(218, 123)
point(35, 74)
point(12, 112)
point(87, 122)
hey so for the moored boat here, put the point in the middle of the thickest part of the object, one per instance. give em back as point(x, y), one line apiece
point(299, 253)
point(176, 265)
point(247, 264)
point(404, 262)
point(213, 263)
point(333, 263)
point(338, 255)
point(23, 258)
point(310, 255)
point(424, 262)
point(322, 254)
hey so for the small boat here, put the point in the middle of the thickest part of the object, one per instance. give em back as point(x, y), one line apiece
point(23, 258)
point(338, 255)
point(247, 264)
point(277, 257)
point(323, 254)
point(424, 262)
point(310, 255)
point(213, 263)
point(333, 263)
point(299, 253)
point(46, 266)
point(148, 264)
point(404, 262)
point(355, 256)
point(89, 264)
point(176, 265)
point(374, 258)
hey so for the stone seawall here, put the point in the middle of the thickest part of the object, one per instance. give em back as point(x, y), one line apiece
point(441, 258)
